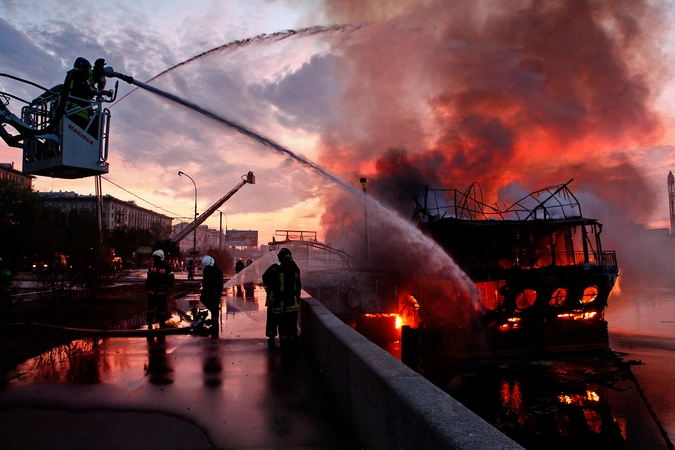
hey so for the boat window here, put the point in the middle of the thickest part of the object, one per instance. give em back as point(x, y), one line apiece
point(490, 295)
point(526, 298)
point(558, 297)
point(542, 252)
point(564, 252)
point(590, 240)
point(578, 244)
point(590, 294)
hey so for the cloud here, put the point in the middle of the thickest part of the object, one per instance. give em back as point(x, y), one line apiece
point(21, 57)
point(510, 94)
point(306, 97)
point(537, 92)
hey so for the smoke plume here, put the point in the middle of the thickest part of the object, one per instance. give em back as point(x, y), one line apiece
point(524, 91)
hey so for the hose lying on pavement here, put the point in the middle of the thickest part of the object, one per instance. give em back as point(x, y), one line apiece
point(112, 333)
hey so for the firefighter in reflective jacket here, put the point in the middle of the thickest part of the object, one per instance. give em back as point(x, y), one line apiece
point(283, 286)
point(160, 280)
point(83, 89)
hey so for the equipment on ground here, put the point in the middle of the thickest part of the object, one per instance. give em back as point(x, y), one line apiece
point(63, 136)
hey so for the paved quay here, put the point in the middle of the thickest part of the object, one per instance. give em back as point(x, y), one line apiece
point(189, 392)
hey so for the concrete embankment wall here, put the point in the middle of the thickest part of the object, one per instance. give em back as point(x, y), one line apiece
point(390, 405)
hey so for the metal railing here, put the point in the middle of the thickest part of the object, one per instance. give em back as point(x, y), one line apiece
point(576, 258)
point(556, 201)
point(313, 256)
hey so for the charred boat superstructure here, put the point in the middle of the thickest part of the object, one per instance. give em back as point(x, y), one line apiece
point(538, 265)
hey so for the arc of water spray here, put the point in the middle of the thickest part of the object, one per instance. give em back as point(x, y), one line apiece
point(264, 37)
point(246, 132)
point(445, 261)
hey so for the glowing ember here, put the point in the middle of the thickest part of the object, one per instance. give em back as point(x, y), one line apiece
point(579, 399)
point(579, 316)
point(511, 322)
point(408, 312)
point(398, 322)
point(592, 396)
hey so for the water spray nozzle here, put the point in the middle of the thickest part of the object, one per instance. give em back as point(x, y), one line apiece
point(110, 73)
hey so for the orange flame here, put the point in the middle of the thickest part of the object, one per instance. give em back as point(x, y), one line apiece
point(579, 316)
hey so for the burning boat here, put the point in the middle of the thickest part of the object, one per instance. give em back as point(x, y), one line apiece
point(542, 276)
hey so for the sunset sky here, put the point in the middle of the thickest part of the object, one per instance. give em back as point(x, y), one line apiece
point(516, 95)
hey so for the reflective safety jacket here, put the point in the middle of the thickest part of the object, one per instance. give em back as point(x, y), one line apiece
point(283, 286)
point(160, 278)
point(82, 84)
point(82, 87)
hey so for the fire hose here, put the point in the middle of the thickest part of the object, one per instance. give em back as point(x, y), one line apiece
point(114, 333)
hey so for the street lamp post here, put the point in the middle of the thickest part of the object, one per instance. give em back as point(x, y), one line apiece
point(365, 217)
point(194, 242)
point(220, 236)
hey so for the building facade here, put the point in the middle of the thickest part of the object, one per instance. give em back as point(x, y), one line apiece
point(206, 238)
point(116, 213)
point(8, 172)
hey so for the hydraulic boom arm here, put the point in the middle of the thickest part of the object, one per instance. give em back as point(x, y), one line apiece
point(249, 178)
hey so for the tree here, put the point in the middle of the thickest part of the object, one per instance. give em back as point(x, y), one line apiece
point(24, 224)
point(222, 257)
point(170, 248)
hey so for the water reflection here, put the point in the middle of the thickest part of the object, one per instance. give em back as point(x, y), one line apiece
point(212, 366)
point(158, 368)
point(245, 303)
point(554, 403)
point(75, 362)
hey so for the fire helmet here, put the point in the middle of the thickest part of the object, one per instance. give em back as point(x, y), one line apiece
point(284, 255)
point(82, 63)
point(207, 261)
point(159, 253)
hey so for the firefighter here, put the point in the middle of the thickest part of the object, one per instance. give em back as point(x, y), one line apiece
point(5, 287)
point(212, 289)
point(238, 267)
point(283, 286)
point(191, 270)
point(249, 286)
point(82, 87)
point(160, 280)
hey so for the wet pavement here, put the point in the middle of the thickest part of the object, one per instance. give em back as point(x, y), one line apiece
point(188, 392)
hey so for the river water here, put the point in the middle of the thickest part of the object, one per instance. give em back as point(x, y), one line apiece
point(620, 399)
point(641, 323)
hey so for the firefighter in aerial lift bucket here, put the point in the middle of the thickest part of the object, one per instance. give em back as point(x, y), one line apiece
point(160, 280)
point(212, 289)
point(283, 286)
point(85, 84)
